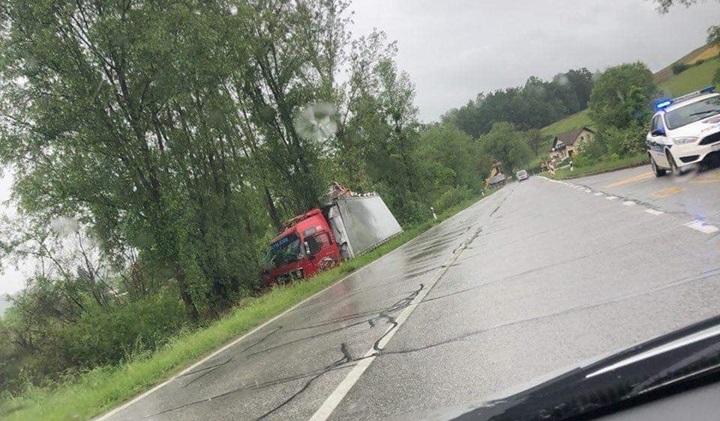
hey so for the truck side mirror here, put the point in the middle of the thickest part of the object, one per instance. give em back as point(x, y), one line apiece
point(308, 252)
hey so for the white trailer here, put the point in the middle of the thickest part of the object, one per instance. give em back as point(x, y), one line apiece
point(361, 223)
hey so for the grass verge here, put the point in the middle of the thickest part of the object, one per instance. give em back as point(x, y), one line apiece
point(104, 388)
point(600, 167)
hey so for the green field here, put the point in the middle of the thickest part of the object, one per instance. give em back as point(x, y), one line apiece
point(106, 387)
point(568, 123)
point(692, 79)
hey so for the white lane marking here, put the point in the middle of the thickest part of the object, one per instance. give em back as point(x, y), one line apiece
point(599, 194)
point(654, 212)
point(702, 227)
point(611, 197)
point(332, 401)
point(629, 203)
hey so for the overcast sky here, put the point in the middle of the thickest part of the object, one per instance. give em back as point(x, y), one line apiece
point(454, 49)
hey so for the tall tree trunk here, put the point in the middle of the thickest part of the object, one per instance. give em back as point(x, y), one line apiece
point(273, 210)
point(185, 295)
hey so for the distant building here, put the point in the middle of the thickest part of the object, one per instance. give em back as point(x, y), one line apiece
point(567, 144)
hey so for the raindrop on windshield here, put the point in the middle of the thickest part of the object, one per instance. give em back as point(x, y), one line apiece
point(317, 121)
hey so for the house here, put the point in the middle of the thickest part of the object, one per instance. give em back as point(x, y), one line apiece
point(567, 144)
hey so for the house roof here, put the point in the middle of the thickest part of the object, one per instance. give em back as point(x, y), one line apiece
point(569, 138)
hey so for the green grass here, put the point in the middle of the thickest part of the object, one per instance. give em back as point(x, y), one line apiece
point(692, 79)
point(600, 167)
point(568, 123)
point(104, 388)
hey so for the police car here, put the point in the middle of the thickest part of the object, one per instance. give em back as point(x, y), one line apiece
point(684, 132)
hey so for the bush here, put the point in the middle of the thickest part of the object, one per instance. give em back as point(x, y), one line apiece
point(678, 68)
point(108, 336)
point(613, 157)
point(451, 197)
point(583, 160)
point(623, 142)
point(593, 150)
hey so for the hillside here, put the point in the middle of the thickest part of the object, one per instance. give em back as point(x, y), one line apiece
point(691, 79)
point(694, 78)
point(690, 58)
point(568, 123)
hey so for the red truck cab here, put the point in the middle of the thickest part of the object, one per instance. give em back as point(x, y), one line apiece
point(305, 247)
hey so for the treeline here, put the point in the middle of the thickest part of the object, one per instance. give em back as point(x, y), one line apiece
point(535, 105)
point(157, 147)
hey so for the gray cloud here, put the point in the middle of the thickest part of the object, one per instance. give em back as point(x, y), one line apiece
point(454, 49)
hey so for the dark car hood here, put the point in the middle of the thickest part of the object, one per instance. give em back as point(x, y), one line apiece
point(599, 384)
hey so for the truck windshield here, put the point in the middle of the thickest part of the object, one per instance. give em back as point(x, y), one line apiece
point(692, 112)
point(285, 250)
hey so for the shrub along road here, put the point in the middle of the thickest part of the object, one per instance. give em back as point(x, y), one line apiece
point(538, 277)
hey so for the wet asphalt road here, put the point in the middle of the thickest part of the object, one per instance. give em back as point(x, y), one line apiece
point(533, 279)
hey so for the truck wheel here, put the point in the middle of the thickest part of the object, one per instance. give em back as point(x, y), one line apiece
point(659, 172)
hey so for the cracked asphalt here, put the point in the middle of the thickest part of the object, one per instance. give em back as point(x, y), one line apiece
point(535, 278)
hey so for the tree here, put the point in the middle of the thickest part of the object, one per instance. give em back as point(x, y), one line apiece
point(621, 95)
point(378, 132)
point(532, 106)
point(451, 156)
point(535, 140)
point(713, 37)
point(665, 5)
point(581, 84)
point(507, 145)
point(153, 123)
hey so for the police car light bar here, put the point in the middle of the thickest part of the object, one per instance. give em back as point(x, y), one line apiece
point(705, 90)
point(663, 103)
point(666, 102)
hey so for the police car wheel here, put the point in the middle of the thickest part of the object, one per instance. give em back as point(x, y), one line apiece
point(659, 172)
point(671, 161)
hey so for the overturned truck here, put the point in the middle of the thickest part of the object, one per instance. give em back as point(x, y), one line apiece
point(346, 226)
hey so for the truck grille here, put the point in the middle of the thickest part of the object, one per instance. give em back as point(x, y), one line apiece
point(715, 137)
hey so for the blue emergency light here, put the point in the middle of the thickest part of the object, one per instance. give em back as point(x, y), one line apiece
point(663, 103)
